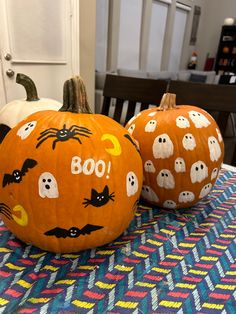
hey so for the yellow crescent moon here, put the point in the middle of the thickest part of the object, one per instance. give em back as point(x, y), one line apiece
point(116, 150)
point(23, 219)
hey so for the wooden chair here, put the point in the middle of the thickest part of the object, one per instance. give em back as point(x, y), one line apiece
point(213, 98)
point(124, 93)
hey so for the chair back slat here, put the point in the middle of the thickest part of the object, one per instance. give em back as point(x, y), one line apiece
point(145, 106)
point(130, 110)
point(118, 109)
point(106, 105)
point(222, 120)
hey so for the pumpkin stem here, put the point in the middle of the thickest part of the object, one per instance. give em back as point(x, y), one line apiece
point(75, 96)
point(30, 88)
point(168, 101)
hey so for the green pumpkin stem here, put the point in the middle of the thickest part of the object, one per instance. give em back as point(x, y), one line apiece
point(168, 101)
point(75, 96)
point(30, 88)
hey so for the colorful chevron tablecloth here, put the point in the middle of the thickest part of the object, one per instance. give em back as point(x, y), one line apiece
point(166, 262)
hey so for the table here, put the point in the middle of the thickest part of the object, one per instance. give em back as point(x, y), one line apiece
point(166, 262)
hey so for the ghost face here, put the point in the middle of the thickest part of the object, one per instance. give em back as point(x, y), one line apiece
point(186, 196)
point(149, 167)
point(214, 173)
point(152, 114)
point(189, 142)
point(165, 179)
point(169, 204)
point(182, 122)
point(180, 165)
point(48, 186)
point(26, 129)
point(162, 146)
point(198, 171)
point(214, 148)
point(199, 120)
point(131, 183)
point(131, 129)
point(220, 139)
point(149, 194)
point(205, 190)
point(150, 126)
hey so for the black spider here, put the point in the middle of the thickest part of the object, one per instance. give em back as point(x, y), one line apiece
point(63, 134)
point(5, 210)
point(99, 199)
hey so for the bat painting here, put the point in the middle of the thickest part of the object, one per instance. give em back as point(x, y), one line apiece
point(16, 175)
point(73, 232)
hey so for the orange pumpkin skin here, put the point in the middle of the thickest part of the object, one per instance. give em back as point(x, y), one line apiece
point(55, 202)
point(182, 151)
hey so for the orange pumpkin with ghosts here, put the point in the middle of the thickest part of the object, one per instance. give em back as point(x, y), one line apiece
point(182, 151)
point(75, 177)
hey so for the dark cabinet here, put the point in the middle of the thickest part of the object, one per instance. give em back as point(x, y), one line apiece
point(226, 56)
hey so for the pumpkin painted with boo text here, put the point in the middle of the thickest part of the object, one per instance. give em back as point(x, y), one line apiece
point(70, 180)
point(182, 151)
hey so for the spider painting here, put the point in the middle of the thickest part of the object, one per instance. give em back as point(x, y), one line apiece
point(5, 210)
point(99, 199)
point(64, 134)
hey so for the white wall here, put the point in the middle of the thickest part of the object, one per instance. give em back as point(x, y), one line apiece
point(215, 11)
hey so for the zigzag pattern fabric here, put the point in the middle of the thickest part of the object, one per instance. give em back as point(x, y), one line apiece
point(167, 262)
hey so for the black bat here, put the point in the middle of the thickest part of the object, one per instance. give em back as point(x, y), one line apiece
point(73, 232)
point(16, 176)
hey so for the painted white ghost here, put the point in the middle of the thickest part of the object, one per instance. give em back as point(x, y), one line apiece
point(214, 148)
point(189, 142)
point(220, 139)
point(150, 126)
point(165, 179)
point(26, 129)
point(214, 173)
point(198, 119)
point(48, 185)
point(131, 129)
point(205, 190)
point(149, 194)
point(131, 183)
point(180, 165)
point(186, 196)
point(149, 167)
point(169, 204)
point(162, 146)
point(182, 122)
point(198, 171)
point(152, 114)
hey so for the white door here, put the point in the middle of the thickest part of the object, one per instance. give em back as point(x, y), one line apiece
point(35, 39)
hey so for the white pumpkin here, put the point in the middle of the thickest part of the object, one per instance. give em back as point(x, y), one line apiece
point(17, 110)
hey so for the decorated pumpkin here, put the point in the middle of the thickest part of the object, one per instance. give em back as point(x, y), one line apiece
point(182, 151)
point(17, 110)
point(70, 180)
